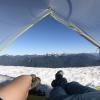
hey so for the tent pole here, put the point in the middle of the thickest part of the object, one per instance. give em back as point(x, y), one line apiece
point(99, 53)
point(86, 36)
point(24, 29)
point(75, 28)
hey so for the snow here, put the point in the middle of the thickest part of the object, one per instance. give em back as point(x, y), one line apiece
point(86, 76)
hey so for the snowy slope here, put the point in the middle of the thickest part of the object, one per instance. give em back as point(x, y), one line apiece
point(86, 76)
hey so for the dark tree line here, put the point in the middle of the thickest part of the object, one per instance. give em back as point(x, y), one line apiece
point(52, 61)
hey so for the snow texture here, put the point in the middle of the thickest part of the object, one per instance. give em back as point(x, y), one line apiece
point(89, 76)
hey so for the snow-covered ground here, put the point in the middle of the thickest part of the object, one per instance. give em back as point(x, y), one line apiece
point(89, 76)
point(86, 76)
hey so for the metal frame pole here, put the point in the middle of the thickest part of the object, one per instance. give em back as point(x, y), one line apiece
point(75, 28)
point(99, 53)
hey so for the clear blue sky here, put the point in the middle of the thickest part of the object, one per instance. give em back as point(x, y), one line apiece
point(49, 36)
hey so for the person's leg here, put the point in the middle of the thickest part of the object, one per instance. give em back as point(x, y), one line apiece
point(76, 88)
point(17, 89)
point(91, 96)
point(58, 93)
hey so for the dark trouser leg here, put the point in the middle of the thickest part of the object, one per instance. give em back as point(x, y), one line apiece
point(91, 96)
point(76, 88)
point(58, 93)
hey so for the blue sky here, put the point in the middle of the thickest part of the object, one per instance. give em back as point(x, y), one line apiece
point(49, 36)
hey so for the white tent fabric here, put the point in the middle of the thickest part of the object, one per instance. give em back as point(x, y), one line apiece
point(17, 16)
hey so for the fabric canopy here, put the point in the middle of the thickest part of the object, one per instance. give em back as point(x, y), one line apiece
point(17, 16)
